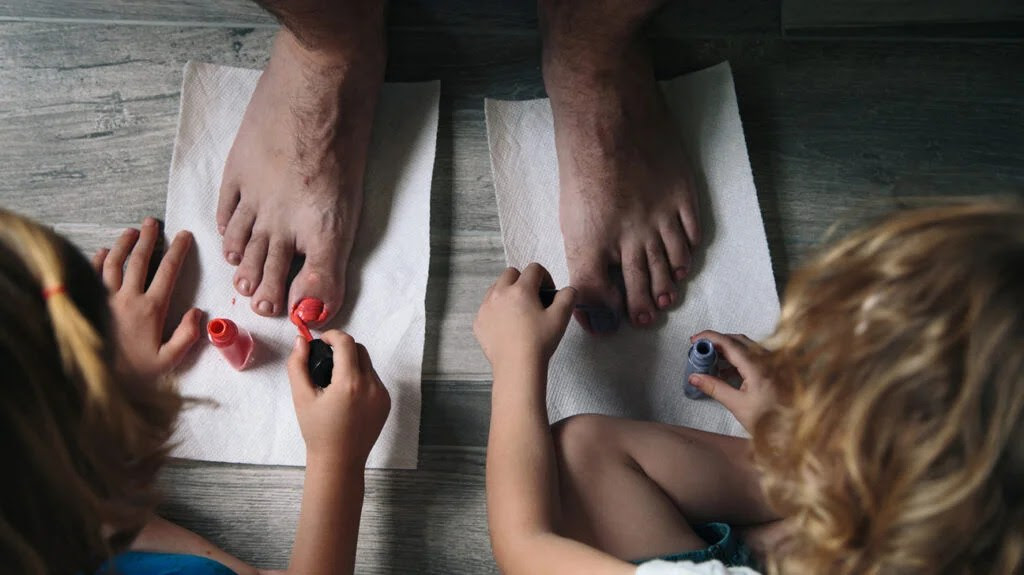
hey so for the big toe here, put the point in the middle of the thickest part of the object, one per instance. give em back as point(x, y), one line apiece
point(600, 300)
point(322, 278)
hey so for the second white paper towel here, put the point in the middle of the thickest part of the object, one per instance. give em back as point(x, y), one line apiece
point(254, 421)
point(638, 373)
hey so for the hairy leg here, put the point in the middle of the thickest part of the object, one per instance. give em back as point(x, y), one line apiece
point(634, 489)
point(293, 182)
point(627, 204)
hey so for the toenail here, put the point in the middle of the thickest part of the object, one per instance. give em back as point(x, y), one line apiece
point(221, 230)
point(643, 318)
point(234, 258)
point(243, 286)
point(602, 320)
point(680, 274)
point(664, 300)
point(149, 222)
point(265, 307)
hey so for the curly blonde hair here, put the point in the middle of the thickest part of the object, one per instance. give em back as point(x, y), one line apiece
point(86, 442)
point(898, 442)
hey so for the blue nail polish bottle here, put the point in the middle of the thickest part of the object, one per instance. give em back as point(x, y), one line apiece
point(701, 358)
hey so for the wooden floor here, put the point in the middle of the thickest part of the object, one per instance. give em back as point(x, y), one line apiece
point(841, 130)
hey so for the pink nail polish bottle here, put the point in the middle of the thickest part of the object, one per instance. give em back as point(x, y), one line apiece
point(235, 344)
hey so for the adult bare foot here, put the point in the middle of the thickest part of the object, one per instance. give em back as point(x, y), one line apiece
point(628, 204)
point(293, 183)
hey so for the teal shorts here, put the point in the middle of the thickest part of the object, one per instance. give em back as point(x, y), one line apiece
point(143, 563)
point(724, 545)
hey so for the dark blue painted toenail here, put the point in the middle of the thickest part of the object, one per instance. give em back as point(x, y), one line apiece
point(601, 319)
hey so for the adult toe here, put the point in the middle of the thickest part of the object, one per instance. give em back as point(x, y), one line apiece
point(637, 276)
point(250, 271)
point(237, 234)
point(322, 277)
point(227, 201)
point(677, 248)
point(663, 288)
point(268, 299)
point(599, 298)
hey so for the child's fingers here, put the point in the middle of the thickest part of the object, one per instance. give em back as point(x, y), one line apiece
point(533, 277)
point(167, 274)
point(721, 391)
point(184, 336)
point(298, 372)
point(346, 352)
point(365, 363)
point(367, 366)
point(138, 261)
point(564, 304)
point(733, 351)
point(113, 265)
point(507, 277)
point(98, 259)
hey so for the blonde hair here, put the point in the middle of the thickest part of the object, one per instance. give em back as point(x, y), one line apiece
point(898, 442)
point(87, 441)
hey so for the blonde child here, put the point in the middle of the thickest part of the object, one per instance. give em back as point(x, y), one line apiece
point(887, 422)
point(85, 420)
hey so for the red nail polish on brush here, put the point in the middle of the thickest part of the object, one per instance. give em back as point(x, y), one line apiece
point(235, 344)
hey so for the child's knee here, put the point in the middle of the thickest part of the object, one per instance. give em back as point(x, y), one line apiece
point(583, 441)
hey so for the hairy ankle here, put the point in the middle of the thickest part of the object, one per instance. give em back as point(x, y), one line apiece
point(331, 26)
point(334, 62)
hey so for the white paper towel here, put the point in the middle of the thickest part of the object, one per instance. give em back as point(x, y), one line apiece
point(254, 421)
point(638, 373)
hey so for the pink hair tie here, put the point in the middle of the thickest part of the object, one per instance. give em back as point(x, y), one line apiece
point(54, 290)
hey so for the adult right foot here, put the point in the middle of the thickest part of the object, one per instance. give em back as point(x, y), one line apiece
point(293, 182)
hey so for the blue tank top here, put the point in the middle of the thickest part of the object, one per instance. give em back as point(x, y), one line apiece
point(140, 563)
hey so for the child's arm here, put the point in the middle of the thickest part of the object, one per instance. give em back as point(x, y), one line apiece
point(518, 336)
point(340, 424)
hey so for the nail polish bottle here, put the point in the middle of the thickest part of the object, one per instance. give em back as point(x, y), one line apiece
point(701, 358)
point(235, 344)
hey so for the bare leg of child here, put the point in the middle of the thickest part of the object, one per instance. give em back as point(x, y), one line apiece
point(634, 489)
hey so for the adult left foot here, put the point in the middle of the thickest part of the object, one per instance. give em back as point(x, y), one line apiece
point(627, 203)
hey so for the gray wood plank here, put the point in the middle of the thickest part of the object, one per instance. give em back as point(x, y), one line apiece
point(432, 520)
point(681, 18)
point(872, 13)
point(835, 129)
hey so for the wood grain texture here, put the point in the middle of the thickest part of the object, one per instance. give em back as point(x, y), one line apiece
point(838, 131)
point(874, 13)
point(432, 520)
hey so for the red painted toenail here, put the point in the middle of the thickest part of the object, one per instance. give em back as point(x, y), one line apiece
point(306, 311)
point(664, 300)
point(234, 258)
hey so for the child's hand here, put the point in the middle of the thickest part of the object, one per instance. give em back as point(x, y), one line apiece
point(755, 396)
point(512, 326)
point(341, 422)
point(140, 313)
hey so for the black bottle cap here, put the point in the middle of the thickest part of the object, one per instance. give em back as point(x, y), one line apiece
point(547, 296)
point(321, 363)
